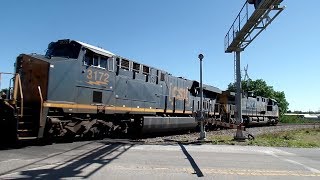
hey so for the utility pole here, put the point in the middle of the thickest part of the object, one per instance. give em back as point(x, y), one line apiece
point(201, 117)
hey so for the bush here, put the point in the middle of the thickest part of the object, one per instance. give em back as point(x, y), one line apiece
point(294, 120)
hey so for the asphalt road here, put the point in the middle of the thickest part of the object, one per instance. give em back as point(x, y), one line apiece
point(102, 160)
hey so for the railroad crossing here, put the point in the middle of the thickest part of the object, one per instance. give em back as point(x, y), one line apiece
point(102, 160)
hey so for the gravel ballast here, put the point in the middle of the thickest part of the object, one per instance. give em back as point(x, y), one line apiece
point(192, 137)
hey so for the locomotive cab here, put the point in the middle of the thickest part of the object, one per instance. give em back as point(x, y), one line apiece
point(39, 79)
point(271, 104)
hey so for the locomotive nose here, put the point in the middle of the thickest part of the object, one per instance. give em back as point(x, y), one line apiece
point(33, 72)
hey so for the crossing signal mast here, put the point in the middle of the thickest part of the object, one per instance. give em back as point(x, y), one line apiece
point(241, 34)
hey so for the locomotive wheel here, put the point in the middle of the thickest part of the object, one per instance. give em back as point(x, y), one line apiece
point(246, 121)
point(8, 125)
point(9, 132)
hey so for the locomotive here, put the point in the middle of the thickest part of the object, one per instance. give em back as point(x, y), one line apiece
point(256, 110)
point(77, 89)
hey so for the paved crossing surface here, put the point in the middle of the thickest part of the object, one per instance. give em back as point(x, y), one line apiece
point(102, 160)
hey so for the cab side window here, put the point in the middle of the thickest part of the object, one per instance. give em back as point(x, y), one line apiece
point(100, 61)
point(88, 60)
point(96, 60)
point(104, 62)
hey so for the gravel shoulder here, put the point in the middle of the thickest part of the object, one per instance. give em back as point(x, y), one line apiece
point(192, 137)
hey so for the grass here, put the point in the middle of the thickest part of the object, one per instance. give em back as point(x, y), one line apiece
point(222, 139)
point(295, 120)
point(305, 138)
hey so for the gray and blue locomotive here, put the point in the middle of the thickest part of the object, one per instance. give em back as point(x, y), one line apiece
point(256, 110)
point(77, 89)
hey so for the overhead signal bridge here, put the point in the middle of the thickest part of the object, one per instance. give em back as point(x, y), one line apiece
point(242, 32)
point(246, 28)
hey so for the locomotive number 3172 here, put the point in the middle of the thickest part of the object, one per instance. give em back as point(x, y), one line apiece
point(98, 76)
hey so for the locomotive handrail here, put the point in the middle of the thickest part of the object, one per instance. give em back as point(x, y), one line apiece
point(17, 84)
point(236, 22)
point(41, 105)
point(21, 95)
point(8, 93)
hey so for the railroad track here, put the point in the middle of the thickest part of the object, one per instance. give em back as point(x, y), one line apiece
point(191, 137)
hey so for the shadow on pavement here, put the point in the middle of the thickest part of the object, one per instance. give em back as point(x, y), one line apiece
point(196, 142)
point(192, 162)
point(76, 166)
point(41, 160)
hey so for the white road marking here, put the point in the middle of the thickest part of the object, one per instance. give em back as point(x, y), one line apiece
point(307, 167)
point(294, 162)
point(188, 170)
point(9, 160)
point(214, 149)
point(277, 153)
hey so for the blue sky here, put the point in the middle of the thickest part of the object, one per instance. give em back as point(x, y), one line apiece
point(170, 34)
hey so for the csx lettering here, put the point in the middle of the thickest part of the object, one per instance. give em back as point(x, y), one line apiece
point(100, 107)
point(179, 93)
point(251, 105)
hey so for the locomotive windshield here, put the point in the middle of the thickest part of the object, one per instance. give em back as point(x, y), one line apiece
point(63, 48)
